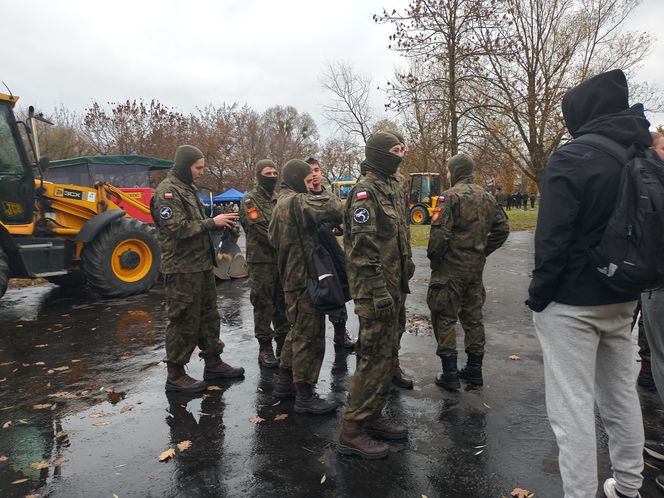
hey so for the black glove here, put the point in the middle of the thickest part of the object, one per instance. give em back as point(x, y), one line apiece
point(383, 304)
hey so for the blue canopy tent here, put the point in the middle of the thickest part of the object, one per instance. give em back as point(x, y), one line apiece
point(205, 199)
point(231, 195)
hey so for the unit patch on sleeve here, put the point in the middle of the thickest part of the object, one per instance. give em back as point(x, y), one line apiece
point(165, 213)
point(361, 215)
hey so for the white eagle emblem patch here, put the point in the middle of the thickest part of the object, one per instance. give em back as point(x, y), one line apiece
point(361, 215)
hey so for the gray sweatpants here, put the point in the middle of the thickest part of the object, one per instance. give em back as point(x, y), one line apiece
point(588, 360)
point(652, 309)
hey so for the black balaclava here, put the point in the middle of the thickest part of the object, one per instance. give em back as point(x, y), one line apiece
point(185, 157)
point(269, 183)
point(378, 157)
point(293, 174)
point(461, 167)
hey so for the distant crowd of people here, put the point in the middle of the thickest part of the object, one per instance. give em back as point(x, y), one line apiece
point(517, 200)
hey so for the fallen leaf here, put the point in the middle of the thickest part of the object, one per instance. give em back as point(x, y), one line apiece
point(184, 445)
point(167, 455)
point(32, 496)
point(40, 465)
point(19, 481)
point(115, 396)
point(63, 394)
point(39, 364)
point(102, 424)
point(3, 379)
point(25, 364)
point(92, 329)
point(7, 424)
point(3, 458)
point(7, 363)
point(488, 406)
point(282, 416)
point(97, 415)
point(58, 461)
point(522, 493)
point(214, 388)
point(75, 361)
point(256, 420)
point(60, 434)
point(22, 421)
point(41, 345)
point(127, 408)
point(323, 479)
point(115, 496)
point(61, 369)
point(123, 357)
point(515, 357)
point(44, 406)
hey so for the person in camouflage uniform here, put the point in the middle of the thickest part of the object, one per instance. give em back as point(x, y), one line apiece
point(376, 244)
point(267, 295)
point(187, 258)
point(468, 227)
point(338, 317)
point(293, 233)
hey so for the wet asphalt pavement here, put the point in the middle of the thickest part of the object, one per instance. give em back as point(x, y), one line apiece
point(62, 352)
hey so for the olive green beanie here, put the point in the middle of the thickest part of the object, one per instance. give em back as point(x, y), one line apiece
point(185, 157)
point(460, 166)
point(293, 174)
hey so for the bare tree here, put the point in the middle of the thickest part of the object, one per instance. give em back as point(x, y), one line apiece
point(289, 134)
point(340, 158)
point(534, 51)
point(350, 109)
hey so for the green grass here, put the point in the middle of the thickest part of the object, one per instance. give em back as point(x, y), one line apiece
point(519, 221)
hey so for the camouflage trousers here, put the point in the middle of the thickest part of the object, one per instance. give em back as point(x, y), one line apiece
point(450, 297)
point(304, 348)
point(371, 381)
point(267, 298)
point(193, 318)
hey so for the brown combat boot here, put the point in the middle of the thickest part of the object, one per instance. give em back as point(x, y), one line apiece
point(342, 338)
point(384, 428)
point(179, 381)
point(398, 378)
point(217, 369)
point(354, 441)
point(265, 355)
point(284, 387)
point(307, 401)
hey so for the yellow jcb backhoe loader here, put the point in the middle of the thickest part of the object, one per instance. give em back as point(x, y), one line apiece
point(64, 233)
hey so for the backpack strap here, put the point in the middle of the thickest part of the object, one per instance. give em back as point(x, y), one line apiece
point(605, 144)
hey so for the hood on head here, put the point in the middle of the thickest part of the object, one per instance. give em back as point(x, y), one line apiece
point(185, 157)
point(606, 93)
point(293, 174)
point(460, 166)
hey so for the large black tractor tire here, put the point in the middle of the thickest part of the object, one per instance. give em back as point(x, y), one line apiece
point(4, 272)
point(419, 215)
point(75, 278)
point(123, 259)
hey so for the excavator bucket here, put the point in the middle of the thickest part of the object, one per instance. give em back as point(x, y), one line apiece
point(230, 260)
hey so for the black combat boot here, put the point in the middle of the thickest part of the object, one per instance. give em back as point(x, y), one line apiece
point(449, 377)
point(379, 426)
point(217, 369)
point(307, 401)
point(354, 441)
point(645, 378)
point(265, 355)
point(342, 338)
point(179, 381)
point(284, 387)
point(398, 378)
point(279, 340)
point(472, 373)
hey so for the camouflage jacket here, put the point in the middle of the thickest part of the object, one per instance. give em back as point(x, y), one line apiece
point(468, 227)
point(255, 214)
point(401, 186)
point(184, 229)
point(375, 237)
point(293, 232)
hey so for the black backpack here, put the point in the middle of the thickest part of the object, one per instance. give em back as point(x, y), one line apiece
point(629, 257)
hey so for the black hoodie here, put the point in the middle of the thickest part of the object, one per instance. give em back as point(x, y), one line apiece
point(579, 193)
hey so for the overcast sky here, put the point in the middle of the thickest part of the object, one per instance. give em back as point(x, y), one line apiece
point(190, 54)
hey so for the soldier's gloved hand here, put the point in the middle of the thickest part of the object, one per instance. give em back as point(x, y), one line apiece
point(410, 267)
point(383, 304)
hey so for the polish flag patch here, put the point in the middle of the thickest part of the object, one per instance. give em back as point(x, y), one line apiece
point(361, 195)
point(168, 195)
